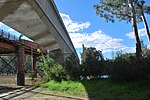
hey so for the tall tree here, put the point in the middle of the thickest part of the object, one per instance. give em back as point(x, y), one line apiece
point(141, 7)
point(122, 10)
point(134, 25)
point(91, 62)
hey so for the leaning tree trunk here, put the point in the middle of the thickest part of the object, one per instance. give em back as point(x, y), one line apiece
point(134, 25)
point(146, 25)
point(144, 20)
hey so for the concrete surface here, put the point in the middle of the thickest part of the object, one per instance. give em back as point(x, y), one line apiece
point(40, 21)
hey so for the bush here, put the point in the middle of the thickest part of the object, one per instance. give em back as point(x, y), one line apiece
point(122, 70)
point(50, 70)
point(125, 69)
point(58, 73)
point(72, 68)
point(144, 69)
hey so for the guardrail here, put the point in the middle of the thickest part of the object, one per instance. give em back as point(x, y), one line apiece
point(29, 45)
point(8, 35)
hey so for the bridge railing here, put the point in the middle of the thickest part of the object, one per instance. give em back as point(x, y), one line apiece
point(28, 44)
point(8, 35)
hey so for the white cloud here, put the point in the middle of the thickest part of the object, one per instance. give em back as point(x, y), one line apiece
point(142, 32)
point(73, 26)
point(148, 46)
point(99, 40)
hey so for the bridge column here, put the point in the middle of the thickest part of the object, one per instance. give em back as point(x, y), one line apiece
point(20, 74)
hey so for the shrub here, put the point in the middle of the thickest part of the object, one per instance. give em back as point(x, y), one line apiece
point(72, 68)
point(50, 70)
point(126, 69)
point(58, 73)
point(122, 70)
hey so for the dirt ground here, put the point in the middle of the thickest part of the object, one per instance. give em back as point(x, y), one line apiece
point(31, 93)
point(10, 91)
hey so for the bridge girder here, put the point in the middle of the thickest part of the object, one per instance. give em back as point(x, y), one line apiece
point(40, 21)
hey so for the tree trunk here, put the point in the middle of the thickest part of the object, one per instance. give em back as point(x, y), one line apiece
point(145, 25)
point(144, 20)
point(134, 26)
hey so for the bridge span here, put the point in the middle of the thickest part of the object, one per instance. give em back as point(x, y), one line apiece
point(11, 44)
point(40, 21)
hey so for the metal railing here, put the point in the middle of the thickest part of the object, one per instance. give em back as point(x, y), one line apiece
point(8, 35)
point(28, 44)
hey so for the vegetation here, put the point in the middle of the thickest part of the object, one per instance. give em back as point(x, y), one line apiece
point(72, 67)
point(128, 74)
point(125, 68)
point(50, 70)
point(91, 64)
point(66, 87)
point(128, 10)
point(100, 89)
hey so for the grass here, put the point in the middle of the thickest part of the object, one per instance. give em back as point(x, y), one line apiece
point(74, 88)
point(101, 89)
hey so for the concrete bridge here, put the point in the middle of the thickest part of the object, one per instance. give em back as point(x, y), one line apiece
point(40, 21)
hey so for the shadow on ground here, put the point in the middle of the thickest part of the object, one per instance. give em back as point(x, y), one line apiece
point(13, 93)
point(9, 90)
point(105, 89)
point(31, 93)
point(4, 89)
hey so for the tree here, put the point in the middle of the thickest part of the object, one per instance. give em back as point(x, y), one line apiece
point(122, 10)
point(142, 9)
point(91, 62)
point(134, 25)
point(145, 49)
point(50, 70)
point(72, 68)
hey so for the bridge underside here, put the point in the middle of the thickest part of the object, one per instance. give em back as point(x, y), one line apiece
point(19, 15)
point(37, 20)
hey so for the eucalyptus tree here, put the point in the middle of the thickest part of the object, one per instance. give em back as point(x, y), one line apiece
point(124, 10)
point(142, 8)
point(91, 62)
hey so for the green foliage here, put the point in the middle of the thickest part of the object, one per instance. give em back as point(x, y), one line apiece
point(101, 89)
point(91, 62)
point(68, 87)
point(111, 9)
point(31, 74)
point(122, 70)
point(146, 51)
point(58, 73)
point(125, 68)
point(28, 63)
point(50, 70)
point(126, 10)
point(72, 68)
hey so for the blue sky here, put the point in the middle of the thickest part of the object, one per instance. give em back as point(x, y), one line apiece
point(12, 31)
point(85, 27)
